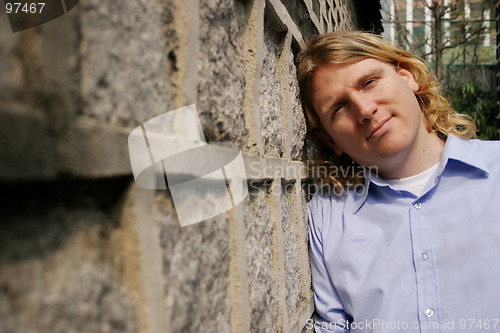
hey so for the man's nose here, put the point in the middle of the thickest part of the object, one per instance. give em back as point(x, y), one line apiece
point(365, 107)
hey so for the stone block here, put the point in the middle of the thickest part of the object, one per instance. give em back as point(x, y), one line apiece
point(293, 268)
point(124, 59)
point(270, 99)
point(221, 70)
point(300, 15)
point(305, 218)
point(261, 258)
point(297, 118)
point(304, 230)
point(61, 267)
point(82, 148)
point(196, 261)
point(39, 69)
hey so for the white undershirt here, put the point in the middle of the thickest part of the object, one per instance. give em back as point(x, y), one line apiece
point(414, 184)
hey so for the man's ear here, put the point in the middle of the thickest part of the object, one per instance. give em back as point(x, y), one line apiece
point(408, 77)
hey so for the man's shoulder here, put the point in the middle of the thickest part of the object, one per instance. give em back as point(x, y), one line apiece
point(327, 194)
point(326, 200)
point(489, 150)
point(473, 150)
point(485, 144)
point(325, 207)
point(482, 154)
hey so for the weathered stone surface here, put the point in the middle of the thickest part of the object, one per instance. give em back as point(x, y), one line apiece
point(72, 88)
point(221, 71)
point(125, 64)
point(270, 95)
point(298, 120)
point(304, 228)
point(345, 14)
point(196, 266)
point(305, 217)
point(11, 78)
point(263, 287)
point(39, 70)
point(293, 269)
point(60, 270)
point(299, 13)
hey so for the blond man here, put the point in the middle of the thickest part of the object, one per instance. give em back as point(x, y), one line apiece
point(418, 250)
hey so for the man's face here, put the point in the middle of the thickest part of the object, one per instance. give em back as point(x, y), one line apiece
point(370, 111)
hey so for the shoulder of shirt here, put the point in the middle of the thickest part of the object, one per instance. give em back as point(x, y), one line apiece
point(482, 154)
point(484, 143)
point(487, 150)
point(326, 209)
point(327, 198)
point(327, 194)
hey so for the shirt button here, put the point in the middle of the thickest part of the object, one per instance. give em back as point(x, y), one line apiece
point(418, 205)
point(429, 312)
point(424, 256)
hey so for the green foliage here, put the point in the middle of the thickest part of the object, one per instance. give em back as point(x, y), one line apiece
point(471, 98)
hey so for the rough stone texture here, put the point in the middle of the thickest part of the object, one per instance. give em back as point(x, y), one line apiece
point(263, 287)
point(305, 216)
point(344, 15)
point(304, 231)
point(221, 74)
point(125, 47)
point(497, 76)
point(298, 122)
point(39, 69)
point(10, 66)
point(272, 128)
point(293, 270)
point(196, 266)
point(60, 267)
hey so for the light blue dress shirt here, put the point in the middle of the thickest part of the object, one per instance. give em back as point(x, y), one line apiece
point(386, 260)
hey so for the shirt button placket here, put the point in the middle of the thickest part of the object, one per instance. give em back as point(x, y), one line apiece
point(421, 235)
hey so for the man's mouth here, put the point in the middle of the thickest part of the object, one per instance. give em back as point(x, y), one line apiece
point(380, 128)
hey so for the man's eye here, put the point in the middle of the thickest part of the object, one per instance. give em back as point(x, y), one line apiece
point(369, 82)
point(337, 108)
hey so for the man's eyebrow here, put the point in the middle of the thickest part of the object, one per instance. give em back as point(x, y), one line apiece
point(374, 72)
point(371, 73)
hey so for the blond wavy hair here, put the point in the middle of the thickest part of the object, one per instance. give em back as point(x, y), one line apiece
point(341, 47)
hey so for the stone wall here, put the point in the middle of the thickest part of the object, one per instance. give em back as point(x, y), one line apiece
point(497, 76)
point(84, 249)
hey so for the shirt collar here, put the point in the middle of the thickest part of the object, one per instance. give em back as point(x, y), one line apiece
point(462, 151)
point(455, 148)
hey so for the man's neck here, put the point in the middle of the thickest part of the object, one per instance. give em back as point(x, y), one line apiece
point(424, 155)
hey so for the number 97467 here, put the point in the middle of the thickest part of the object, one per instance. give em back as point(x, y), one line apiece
point(27, 8)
